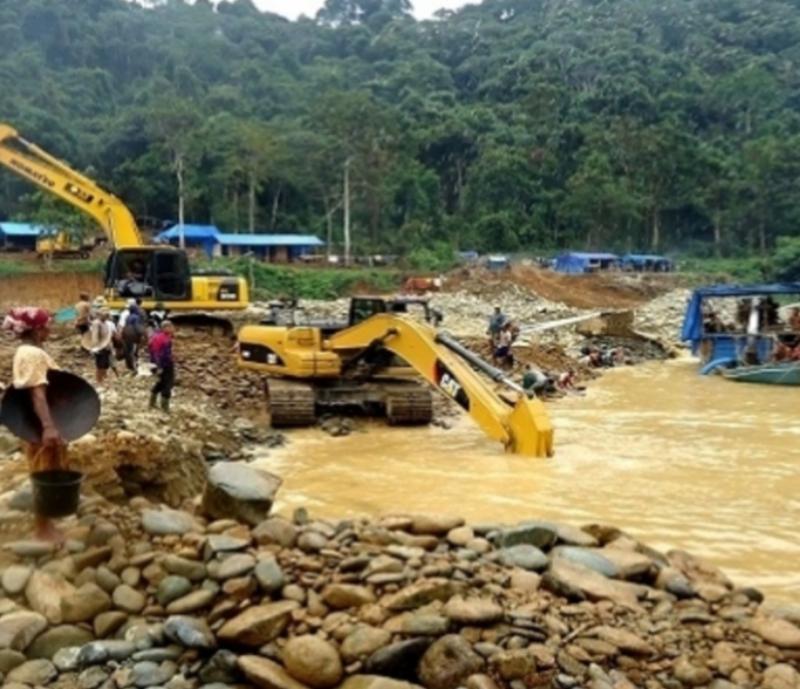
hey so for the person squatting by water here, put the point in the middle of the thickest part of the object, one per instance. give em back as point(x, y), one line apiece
point(161, 356)
point(30, 367)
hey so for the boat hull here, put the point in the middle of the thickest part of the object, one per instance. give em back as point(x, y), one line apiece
point(765, 374)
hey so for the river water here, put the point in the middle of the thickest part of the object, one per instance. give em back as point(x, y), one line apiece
point(675, 459)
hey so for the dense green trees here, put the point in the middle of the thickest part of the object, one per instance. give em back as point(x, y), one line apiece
point(512, 125)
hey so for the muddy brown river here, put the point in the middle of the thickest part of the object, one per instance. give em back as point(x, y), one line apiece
point(678, 460)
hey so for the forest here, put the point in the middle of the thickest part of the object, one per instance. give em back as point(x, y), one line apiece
point(513, 125)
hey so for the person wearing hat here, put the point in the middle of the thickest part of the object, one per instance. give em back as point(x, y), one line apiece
point(30, 367)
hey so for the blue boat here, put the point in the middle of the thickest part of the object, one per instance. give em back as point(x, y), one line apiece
point(770, 374)
point(735, 346)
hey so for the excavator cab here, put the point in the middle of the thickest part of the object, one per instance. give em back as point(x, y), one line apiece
point(160, 274)
point(362, 308)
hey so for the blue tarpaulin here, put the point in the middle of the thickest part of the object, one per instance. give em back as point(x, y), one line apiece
point(584, 262)
point(646, 262)
point(20, 229)
point(204, 236)
point(269, 240)
point(693, 320)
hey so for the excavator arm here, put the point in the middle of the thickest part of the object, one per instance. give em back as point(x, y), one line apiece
point(523, 427)
point(56, 177)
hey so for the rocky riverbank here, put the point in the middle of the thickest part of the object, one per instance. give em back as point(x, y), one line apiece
point(225, 594)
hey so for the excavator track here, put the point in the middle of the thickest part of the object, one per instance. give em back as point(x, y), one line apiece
point(412, 407)
point(290, 404)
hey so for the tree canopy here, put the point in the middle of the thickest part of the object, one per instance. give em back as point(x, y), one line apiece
point(509, 125)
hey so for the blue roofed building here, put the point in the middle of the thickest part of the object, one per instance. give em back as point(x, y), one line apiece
point(19, 236)
point(646, 263)
point(577, 262)
point(194, 236)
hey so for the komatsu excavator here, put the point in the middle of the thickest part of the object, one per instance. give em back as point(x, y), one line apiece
point(134, 269)
point(313, 367)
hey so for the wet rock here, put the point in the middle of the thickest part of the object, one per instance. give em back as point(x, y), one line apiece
point(587, 557)
point(269, 575)
point(129, 599)
point(448, 663)
point(33, 672)
point(150, 674)
point(267, 674)
point(691, 675)
point(276, 530)
point(191, 632)
point(672, 580)
point(777, 632)
point(54, 639)
point(259, 624)
point(238, 491)
point(375, 682)
point(420, 593)
point(524, 556)
point(473, 611)
point(165, 521)
point(107, 623)
point(171, 588)
point(780, 676)
point(233, 566)
point(398, 660)
point(313, 661)
point(191, 569)
point(19, 629)
point(85, 604)
point(434, 525)
point(342, 596)
point(15, 578)
point(573, 581)
point(537, 534)
point(92, 678)
point(45, 593)
point(192, 602)
point(363, 641)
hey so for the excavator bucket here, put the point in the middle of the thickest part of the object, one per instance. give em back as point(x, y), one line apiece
point(530, 429)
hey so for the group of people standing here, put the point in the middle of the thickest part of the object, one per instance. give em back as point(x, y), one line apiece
point(135, 328)
point(502, 333)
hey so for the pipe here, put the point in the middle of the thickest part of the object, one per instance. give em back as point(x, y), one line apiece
point(495, 374)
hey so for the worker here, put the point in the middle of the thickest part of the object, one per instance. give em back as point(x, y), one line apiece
point(30, 367)
point(102, 333)
point(83, 310)
point(503, 354)
point(157, 315)
point(535, 382)
point(496, 323)
point(161, 356)
point(132, 330)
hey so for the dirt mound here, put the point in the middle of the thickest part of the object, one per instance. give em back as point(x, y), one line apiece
point(609, 290)
point(48, 290)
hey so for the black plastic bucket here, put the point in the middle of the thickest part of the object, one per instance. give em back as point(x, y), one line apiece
point(56, 493)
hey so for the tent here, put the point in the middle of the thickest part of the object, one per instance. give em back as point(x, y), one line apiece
point(584, 262)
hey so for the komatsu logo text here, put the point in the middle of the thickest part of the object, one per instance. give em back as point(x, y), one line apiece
point(33, 174)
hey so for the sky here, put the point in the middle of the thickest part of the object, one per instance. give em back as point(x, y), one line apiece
point(423, 9)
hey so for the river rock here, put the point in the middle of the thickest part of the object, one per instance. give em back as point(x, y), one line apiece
point(448, 663)
point(106, 579)
point(171, 588)
point(85, 604)
point(363, 641)
point(513, 664)
point(30, 548)
point(234, 566)
point(166, 521)
point(192, 602)
point(106, 623)
point(342, 596)
point(98, 652)
point(473, 611)
point(267, 674)
point(537, 534)
point(259, 624)
point(15, 578)
point(780, 676)
point(576, 582)
point(590, 558)
point(45, 593)
point(460, 536)
point(525, 557)
point(129, 599)
point(691, 675)
point(66, 659)
point(277, 531)
point(33, 672)
point(19, 629)
point(434, 525)
point(191, 632)
point(375, 682)
point(239, 491)
point(313, 661)
point(10, 659)
point(269, 574)
point(221, 667)
point(423, 623)
point(420, 593)
point(672, 580)
point(624, 640)
point(92, 678)
point(149, 674)
point(398, 660)
point(191, 569)
point(54, 639)
point(222, 543)
point(777, 632)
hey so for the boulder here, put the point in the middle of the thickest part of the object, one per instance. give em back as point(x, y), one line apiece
point(448, 663)
point(267, 674)
point(166, 521)
point(54, 639)
point(259, 624)
point(313, 661)
point(239, 491)
point(19, 629)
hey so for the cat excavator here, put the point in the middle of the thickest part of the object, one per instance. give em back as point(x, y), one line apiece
point(134, 269)
point(375, 362)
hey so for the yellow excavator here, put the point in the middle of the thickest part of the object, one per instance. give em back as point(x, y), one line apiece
point(318, 367)
point(155, 273)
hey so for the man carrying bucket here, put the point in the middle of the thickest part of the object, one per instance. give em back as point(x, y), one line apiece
point(30, 367)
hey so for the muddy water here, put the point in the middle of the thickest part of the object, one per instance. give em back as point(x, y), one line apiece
point(678, 460)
